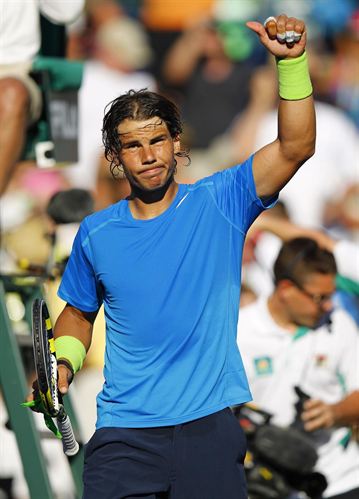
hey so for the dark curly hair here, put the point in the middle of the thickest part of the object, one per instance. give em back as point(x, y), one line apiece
point(137, 105)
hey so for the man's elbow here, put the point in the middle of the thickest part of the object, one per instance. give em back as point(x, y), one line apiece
point(308, 151)
point(300, 151)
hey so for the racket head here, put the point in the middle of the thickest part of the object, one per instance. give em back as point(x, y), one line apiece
point(44, 356)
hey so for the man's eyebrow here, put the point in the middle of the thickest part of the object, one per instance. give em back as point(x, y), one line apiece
point(133, 142)
point(158, 136)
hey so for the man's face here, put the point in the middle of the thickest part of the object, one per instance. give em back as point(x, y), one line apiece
point(309, 301)
point(147, 152)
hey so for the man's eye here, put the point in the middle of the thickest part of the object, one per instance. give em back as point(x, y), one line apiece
point(160, 139)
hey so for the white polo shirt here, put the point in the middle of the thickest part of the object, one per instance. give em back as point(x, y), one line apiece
point(323, 362)
point(346, 254)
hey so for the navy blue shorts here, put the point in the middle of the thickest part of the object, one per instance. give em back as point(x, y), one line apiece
point(201, 459)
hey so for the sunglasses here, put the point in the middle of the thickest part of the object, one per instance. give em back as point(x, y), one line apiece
point(317, 298)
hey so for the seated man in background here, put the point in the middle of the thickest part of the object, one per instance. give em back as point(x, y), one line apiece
point(20, 97)
point(294, 338)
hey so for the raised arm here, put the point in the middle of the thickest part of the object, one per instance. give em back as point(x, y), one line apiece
point(60, 11)
point(73, 335)
point(276, 163)
point(286, 230)
point(184, 55)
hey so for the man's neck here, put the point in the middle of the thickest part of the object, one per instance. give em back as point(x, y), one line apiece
point(145, 205)
point(277, 311)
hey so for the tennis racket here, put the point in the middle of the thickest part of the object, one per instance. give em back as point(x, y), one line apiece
point(46, 370)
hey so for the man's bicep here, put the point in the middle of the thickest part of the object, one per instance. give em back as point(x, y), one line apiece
point(272, 169)
point(75, 322)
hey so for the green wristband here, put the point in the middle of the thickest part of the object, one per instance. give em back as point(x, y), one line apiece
point(293, 78)
point(71, 349)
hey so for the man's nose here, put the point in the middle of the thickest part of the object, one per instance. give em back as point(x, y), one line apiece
point(148, 156)
point(327, 305)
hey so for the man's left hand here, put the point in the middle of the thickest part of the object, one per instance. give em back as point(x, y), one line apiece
point(283, 36)
point(317, 414)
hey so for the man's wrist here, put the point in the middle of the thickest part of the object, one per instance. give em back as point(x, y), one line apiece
point(72, 350)
point(293, 78)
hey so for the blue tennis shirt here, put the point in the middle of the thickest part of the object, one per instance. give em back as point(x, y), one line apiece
point(170, 288)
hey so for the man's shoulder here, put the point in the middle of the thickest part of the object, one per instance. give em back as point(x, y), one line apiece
point(103, 216)
point(253, 316)
point(343, 324)
point(226, 173)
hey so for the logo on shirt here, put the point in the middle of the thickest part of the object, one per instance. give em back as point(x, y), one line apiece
point(321, 360)
point(263, 365)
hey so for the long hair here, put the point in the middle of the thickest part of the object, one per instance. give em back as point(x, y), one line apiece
point(137, 105)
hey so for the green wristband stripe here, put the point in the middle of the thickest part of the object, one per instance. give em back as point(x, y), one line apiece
point(71, 349)
point(294, 79)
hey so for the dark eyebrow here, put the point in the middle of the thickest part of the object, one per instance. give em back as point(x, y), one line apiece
point(158, 137)
point(131, 143)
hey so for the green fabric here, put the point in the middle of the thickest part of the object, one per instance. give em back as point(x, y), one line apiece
point(348, 285)
point(71, 349)
point(64, 74)
point(341, 380)
point(346, 439)
point(293, 78)
point(301, 331)
point(237, 39)
point(37, 406)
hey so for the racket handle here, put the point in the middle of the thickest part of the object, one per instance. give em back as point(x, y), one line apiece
point(69, 443)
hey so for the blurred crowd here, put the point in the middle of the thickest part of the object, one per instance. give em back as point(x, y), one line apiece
point(201, 55)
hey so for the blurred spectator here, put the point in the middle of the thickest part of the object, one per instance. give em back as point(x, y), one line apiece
point(213, 87)
point(165, 22)
point(295, 339)
point(265, 237)
point(20, 97)
point(346, 252)
point(81, 39)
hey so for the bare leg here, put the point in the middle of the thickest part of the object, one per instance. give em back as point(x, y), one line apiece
point(14, 107)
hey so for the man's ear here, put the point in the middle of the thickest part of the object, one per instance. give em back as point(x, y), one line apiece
point(176, 144)
point(284, 287)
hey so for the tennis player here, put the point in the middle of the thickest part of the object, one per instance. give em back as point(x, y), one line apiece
point(166, 265)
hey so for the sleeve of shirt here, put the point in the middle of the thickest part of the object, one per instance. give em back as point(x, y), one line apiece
point(79, 286)
point(61, 11)
point(346, 255)
point(236, 196)
point(347, 369)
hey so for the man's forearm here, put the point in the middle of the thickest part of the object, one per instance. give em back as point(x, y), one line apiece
point(73, 322)
point(297, 129)
point(346, 412)
point(60, 11)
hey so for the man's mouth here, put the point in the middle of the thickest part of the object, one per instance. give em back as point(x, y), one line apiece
point(151, 172)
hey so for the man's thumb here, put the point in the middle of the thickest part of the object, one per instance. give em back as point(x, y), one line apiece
point(255, 26)
point(62, 382)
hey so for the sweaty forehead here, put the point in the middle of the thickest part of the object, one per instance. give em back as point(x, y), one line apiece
point(130, 127)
